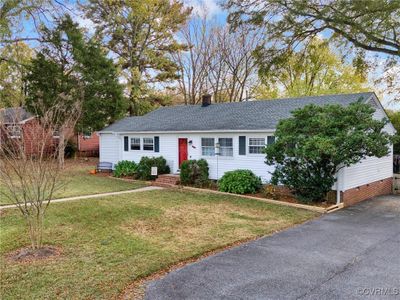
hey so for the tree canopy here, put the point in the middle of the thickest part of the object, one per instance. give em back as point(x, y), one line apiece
point(394, 117)
point(141, 34)
point(69, 67)
point(368, 24)
point(317, 141)
point(315, 70)
point(14, 59)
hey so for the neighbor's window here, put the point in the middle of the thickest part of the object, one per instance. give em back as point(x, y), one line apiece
point(135, 143)
point(226, 146)
point(56, 134)
point(148, 144)
point(15, 131)
point(207, 147)
point(256, 145)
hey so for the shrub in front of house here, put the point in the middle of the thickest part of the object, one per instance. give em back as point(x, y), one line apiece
point(70, 150)
point(239, 182)
point(194, 172)
point(125, 168)
point(143, 170)
point(317, 141)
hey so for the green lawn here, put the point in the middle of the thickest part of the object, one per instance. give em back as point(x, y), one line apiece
point(78, 181)
point(108, 243)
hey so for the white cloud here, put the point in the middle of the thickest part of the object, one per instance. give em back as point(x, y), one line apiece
point(204, 7)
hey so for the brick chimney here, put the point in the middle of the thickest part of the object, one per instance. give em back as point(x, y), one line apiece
point(206, 100)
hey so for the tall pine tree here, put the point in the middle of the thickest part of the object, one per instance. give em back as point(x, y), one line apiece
point(70, 64)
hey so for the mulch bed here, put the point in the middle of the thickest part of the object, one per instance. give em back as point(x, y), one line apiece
point(292, 199)
point(27, 254)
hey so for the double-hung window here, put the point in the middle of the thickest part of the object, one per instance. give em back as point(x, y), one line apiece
point(15, 131)
point(207, 147)
point(148, 144)
point(226, 146)
point(256, 145)
point(135, 143)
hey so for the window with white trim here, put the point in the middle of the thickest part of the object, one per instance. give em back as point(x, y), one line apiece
point(226, 146)
point(135, 143)
point(207, 147)
point(256, 145)
point(148, 144)
point(15, 131)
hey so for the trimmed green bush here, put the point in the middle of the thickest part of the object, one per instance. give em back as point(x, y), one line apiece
point(143, 170)
point(239, 182)
point(125, 168)
point(194, 172)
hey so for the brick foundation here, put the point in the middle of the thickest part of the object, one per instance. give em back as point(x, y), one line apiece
point(366, 191)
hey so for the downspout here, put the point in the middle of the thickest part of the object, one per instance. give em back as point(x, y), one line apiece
point(339, 185)
point(337, 190)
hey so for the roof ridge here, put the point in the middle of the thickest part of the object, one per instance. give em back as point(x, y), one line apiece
point(250, 115)
point(266, 99)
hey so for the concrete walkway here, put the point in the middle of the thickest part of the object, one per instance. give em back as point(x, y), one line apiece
point(353, 253)
point(143, 189)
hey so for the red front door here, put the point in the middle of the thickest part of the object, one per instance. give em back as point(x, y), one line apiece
point(183, 150)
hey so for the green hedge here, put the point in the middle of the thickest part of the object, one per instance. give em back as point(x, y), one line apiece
point(239, 182)
point(125, 168)
point(194, 172)
point(143, 170)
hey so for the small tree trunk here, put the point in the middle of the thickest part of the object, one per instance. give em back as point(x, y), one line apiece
point(61, 147)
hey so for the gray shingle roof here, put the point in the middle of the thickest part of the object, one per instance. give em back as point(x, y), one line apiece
point(252, 115)
point(14, 115)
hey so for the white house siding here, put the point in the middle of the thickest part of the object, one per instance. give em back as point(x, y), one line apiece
point(217, 166)
point(110, 147)
point(112, 150)
point(372, 168)
point(368, 170)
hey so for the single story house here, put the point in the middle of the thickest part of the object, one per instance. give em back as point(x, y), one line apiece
point(241, 130)
point(20, 123)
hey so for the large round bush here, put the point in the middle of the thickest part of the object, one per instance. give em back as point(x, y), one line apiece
point(194, 172)
point(143, 170)
point(125, 168)
point(239, 182)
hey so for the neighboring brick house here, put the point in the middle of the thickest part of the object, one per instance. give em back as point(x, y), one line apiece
point(17, 123)
point(87, 144)
point(22, 124)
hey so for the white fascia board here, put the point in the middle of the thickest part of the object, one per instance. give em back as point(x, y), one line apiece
point(191, 131)
point(375, 98)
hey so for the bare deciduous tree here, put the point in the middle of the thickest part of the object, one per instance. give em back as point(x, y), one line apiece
point(194, 64)
point(218, 61)
point(30, 172)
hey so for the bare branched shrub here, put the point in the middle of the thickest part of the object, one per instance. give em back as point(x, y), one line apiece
point(30, 172)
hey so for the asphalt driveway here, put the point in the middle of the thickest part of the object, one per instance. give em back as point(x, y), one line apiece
point(353, 253)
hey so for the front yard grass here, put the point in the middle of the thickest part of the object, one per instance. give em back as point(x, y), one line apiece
point(108, 243)
point(78, 181)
